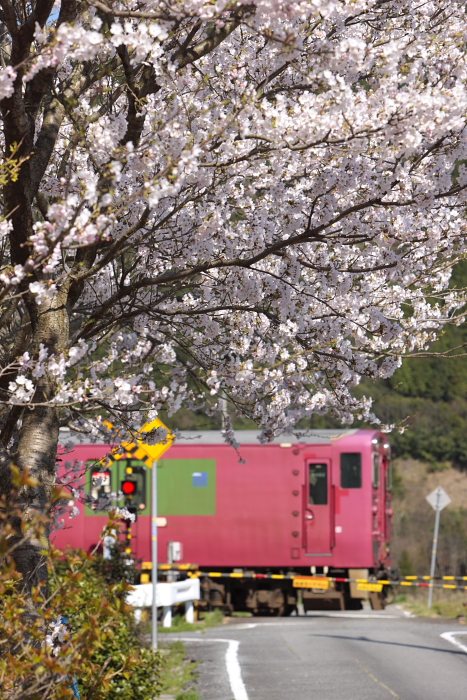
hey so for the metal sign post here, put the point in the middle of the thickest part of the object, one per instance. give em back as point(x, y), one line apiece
point(438, 499)
point(154, 452)
point(154, 553)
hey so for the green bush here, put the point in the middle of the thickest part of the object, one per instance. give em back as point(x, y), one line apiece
point(76, 627)
point(118, 566)
point(131, 671)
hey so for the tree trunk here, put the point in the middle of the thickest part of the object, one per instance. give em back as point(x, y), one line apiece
point(37, 445)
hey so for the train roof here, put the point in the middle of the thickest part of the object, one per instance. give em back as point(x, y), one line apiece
point(251, 437)
point(243, 437)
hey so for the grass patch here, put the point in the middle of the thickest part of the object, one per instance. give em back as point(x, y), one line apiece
point(207, 619)
point(446, 604)
point(177, 672)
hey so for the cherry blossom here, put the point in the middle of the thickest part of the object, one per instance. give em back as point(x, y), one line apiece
point(255, 201)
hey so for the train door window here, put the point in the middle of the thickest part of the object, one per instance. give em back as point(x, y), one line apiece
point(376, 465)
point(100, 483)
point(351, 470)
point(389, 477)
point(318, 484)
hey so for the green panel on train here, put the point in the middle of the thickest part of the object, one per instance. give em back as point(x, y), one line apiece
point(186, 487)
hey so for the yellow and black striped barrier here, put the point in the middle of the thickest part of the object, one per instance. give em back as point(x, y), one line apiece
point(324, 582)
point(321, 582)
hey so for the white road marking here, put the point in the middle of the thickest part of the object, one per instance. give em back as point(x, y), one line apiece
point(233, 666)
point(231, 657)
point(450, 637)
point(234, 671)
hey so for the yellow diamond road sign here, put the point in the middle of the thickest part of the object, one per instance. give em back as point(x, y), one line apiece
point(156, 451)
point(141, 448)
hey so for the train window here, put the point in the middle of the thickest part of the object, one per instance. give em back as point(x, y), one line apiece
point(389, 475)
point(351, 470)
point(376, 461)
point(100, 482)
point(318, 484)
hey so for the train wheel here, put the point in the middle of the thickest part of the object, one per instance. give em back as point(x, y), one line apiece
point(390, 595)
point(377, 601)
point(281, 609)
point(289, 610)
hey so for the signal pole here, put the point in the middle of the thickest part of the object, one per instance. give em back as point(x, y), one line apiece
point(154, 553)
point(438, 499)
point(433, 550)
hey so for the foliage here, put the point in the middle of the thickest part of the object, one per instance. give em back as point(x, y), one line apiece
point(130, 669)
point(414, 521)
point(208, 619)
point(446, 604)
point(406, 566)
point(177, 672)
point(120, 565)
point(398, 488)
point(434, 432)
point(39, 657)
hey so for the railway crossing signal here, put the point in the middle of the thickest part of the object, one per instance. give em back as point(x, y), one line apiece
point(142, 449)
point(129, 487)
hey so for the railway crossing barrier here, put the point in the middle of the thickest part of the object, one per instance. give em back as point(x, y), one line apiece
point(168, 595)
point(323, 582)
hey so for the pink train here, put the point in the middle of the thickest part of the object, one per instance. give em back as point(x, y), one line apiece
point(319, 504)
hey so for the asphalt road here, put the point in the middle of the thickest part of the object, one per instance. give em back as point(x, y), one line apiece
point(332, 656)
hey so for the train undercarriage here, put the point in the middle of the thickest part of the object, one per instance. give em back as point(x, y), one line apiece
point(279, 597)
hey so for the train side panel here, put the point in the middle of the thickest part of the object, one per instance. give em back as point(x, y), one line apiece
point(288, 506)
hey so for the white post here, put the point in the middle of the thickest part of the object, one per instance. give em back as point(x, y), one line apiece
point(190, 611)
point(167, 616)
point(154, 553)
point(435, 547)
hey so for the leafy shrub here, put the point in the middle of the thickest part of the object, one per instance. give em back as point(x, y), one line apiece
point(130, 670)
point(39, 657)
point(119, 565)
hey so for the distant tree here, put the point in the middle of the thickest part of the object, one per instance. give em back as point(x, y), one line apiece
point(256, 199)
point(405, 564)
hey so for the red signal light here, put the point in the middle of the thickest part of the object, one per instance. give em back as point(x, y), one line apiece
point(129, 487)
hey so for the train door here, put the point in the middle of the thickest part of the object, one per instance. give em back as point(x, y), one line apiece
point(319, 518)
point(389, 475)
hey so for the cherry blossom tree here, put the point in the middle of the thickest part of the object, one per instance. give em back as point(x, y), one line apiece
point(256, 200)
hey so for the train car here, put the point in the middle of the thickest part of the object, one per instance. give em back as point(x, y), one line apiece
point(316, 504)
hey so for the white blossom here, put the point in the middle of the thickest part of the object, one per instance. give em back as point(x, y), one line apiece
point(268, 217)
